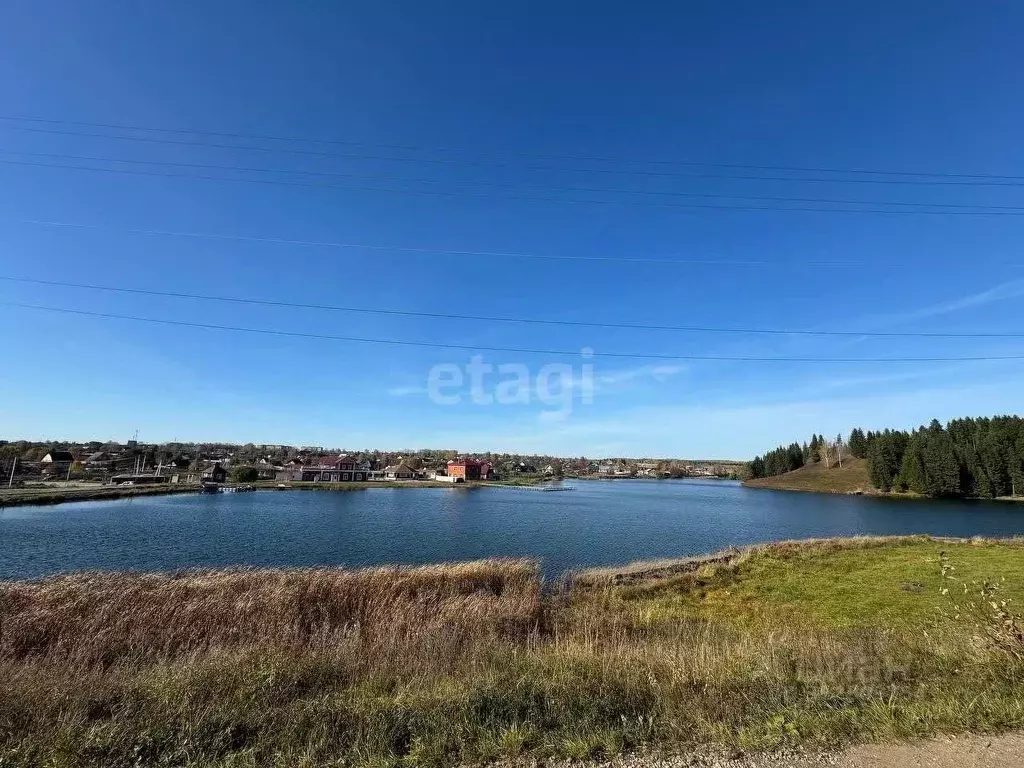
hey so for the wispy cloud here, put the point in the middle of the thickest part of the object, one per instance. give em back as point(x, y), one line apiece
point(408, 391)
point(1010, 290)
point(658, 373)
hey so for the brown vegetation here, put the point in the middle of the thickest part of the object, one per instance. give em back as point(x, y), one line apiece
point(463, 663)
point(852, 477)
point(60, 495)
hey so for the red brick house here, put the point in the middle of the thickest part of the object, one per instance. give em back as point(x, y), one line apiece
point(464, 469)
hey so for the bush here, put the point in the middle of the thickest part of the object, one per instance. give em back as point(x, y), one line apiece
point(245, 474)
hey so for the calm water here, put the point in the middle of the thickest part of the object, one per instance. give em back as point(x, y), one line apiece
point(599, 523)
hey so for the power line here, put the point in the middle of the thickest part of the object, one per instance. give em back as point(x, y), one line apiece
point(519, 320)
point(517, 350)
point(501, 185)
point(525, 198)
point(687, 262)
point(415, 148)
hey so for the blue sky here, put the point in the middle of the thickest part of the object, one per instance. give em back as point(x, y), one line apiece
point(480, 114)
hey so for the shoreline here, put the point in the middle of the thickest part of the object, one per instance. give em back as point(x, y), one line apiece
point(876, 494)
point(796, 646)
point(36, 497)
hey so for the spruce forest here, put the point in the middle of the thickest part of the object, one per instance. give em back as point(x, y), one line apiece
point(971, 457)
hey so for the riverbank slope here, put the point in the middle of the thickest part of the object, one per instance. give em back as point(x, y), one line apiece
point(35, 496)
point(852, 477)
point(808, 644)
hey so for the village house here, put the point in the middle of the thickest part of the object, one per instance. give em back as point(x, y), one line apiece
point(400, 471)
point(463, 469)
point(328, 469)
point(100, 461)
point(215, 474)
point(58, 459)
point(56, 462)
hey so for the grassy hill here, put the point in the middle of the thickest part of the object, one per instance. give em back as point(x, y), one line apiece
point(852, 477)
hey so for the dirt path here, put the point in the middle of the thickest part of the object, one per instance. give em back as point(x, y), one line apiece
point(1005, 751)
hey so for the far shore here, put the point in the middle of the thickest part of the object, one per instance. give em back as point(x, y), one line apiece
point(60, 494)
point(849, 480)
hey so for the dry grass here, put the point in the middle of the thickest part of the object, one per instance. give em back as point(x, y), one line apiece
point(852, 477)
point(109, 618)
point(59, 495)
point(461, 663)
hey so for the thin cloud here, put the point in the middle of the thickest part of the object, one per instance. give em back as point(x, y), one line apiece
point(1011, 290)
point(659, 373)
point(409, 391)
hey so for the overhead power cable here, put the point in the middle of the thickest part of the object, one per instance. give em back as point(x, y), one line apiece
point(415, 148)
point(683, 262)
point(526, 198)
point(516, 350)
point(519, 320)
point(502, 185)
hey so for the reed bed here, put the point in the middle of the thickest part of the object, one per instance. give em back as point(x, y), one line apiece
point(463, 663)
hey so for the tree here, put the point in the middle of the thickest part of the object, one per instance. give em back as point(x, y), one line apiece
point(858, 443)
point(966, 457)
point(885, 459)
point(912, 476)
point(941, 467)
point(244, 474)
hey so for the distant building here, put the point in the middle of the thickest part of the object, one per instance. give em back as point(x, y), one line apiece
point(58, 458)
point(328, 469)
point(335, 469)
point(464, 469)
point(400, 471)
point(215, 474)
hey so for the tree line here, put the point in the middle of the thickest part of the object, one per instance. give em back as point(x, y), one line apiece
point(968, 457)
point(786, 458)
point(977, 457)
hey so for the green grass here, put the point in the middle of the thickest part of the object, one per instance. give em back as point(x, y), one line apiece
point(814, 643)
point(896, 586)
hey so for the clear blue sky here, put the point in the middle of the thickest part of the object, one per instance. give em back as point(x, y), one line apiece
point(518, 90)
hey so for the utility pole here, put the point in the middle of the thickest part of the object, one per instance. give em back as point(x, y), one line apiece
point(10, 483)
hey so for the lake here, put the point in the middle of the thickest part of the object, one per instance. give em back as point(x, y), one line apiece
point(598, 523)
